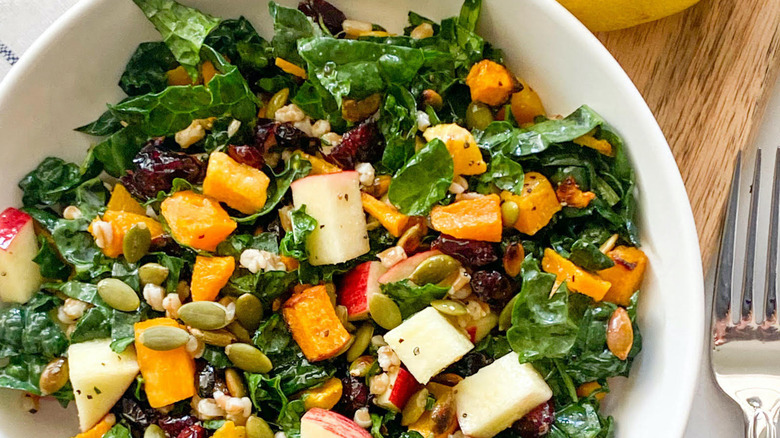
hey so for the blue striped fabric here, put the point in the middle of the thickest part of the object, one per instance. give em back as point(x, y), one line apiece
point(8, 54)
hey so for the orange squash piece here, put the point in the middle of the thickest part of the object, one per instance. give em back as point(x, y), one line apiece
point(393, 220)
point(289, 67)
point(569, 194)
point(462, 146)
point(178, 76)
point(324, 396)
point(526, 105)
point(538, 203)
point(318, 165)
point(207, 72)
point(588, 388)
point(169, 376)
point(122, 200)
point(239, 186)
point(230, 430)
point(490, 83)
point(196, 220)
point(121, 222)
point(314, 324)
point(577, 279)
point(100, 429)
point(210, 275)
point(475, 219)
point(589, 141)
point(627, 274)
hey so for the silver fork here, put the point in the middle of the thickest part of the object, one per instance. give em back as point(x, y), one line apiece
point(745, 355)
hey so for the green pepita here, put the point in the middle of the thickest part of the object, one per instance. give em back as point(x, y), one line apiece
point(478, 115)
point(510, 211)
point(154, 431)
point(54, 376)
point(415, 407)
point(117, 294)
point(248, 358)
point(434, 269)
point(163, 338)
point(362, 339)
point(234, 383)
point(249, 311)
point(384, 311)
point(217, 338)
point(256, 427)
point(277, 101)
point(136, 242)
point(204, 315)
point(449, 307)
point(153, 273)
point(239, 331)
point(505, 317)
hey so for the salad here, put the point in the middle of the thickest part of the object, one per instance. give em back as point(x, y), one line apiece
point(339, 232)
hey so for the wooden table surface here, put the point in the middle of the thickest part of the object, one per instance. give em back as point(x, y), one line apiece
point(706, 74)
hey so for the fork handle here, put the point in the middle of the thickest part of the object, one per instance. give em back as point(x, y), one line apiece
point(761, 423)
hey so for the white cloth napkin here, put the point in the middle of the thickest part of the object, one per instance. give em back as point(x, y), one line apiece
point(21, 22)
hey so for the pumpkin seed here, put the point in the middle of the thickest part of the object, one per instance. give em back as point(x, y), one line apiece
point(434, 269)
point(239, 331)
point(154, 431)
point(204, 315)
point(277, 101)
point(412, 237)
point(620, 334)
point(415, 407)
point(362, 339)
point(443, 414)
point(153, 273)
point(513, 259)
point(505, 317)
point(248, 358)
point(117, 294)
point(346, 346)
point(478, 115)
point(256, 427)
point(360, 366)
point(510, 211)
point(249, 311)
point(449, 379)
point(54, 376)
point(217, 338)
point(163, 338)
point(432, 98)
point(136, 242)
point(449, 307)
point(235, 383)
point(384, 311)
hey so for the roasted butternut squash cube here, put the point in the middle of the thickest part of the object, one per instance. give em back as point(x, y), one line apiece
point(526, 105)
point(490, 82)
point(314, 324)
point(209, 275)
point(196, 220)
point(393, 220)
point(324, 396)
point(589, 141)
point(122, 200)
point(627, 274)
point(169, 376)
point(462, 146)
point(538, 203)
point(230, 430)
point(475, 219)
point(178, 76)
point(241, 187)
point(121, 222)
point(570, 194)
point(577, 279)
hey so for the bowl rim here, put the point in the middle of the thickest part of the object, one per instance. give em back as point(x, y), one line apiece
point(688, 371)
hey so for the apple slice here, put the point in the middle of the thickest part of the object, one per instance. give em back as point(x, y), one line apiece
point(320, 423)
point(404, 269)
point(20, 276)
point(498, 395)
point(334, 201)
point(357, 286)
point(402, 386)
point(480, 328)
point(99, 377)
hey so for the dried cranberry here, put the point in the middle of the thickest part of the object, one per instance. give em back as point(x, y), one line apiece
point(470, 364)
point(492, 287)
point(135, 413)
point(323, 12)
point(173, 426)
point(248, 155)
point(469, 252)
point(194, 431)
point(265, 137)
point(536, 423)
point(288, 136)
point(361, 144)
point(354, 396)
point(157, 167)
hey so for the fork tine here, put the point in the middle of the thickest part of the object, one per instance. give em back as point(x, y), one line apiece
point(725, 267)
point(770, 296)
point(750, 246)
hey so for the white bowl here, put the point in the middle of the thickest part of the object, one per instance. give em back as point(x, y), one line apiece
point(71, 72)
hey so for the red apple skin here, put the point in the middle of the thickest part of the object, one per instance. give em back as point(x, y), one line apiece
point(357, 286)
point(402, 386)
point(11, 222)
point(333, 425)
point(472, 331)
point(403, 269)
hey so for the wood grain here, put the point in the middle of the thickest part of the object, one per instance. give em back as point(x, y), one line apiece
point(706, 74)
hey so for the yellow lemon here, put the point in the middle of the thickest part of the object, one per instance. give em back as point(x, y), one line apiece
point(603, 15)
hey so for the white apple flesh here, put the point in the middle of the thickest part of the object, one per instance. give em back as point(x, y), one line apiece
point(357, 287)
point(402, 386)
point(498, 395)
point(20, 276)
point(334, 201)
point(321, 423)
